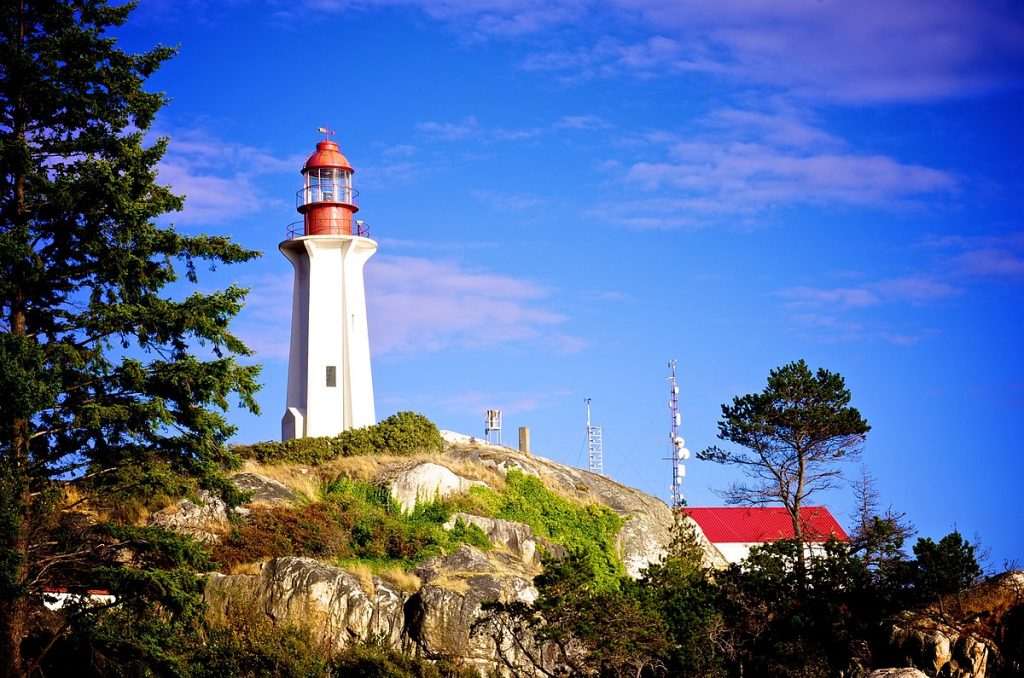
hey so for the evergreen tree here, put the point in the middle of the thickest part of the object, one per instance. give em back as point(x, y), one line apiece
point(794, 434)
point(948, 566)
point(110, 382)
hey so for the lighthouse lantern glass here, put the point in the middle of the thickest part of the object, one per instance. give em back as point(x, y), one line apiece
point(328, 184)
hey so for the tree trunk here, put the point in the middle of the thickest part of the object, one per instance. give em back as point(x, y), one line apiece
point(13, 629)
point(13, 597)
point(13, 600)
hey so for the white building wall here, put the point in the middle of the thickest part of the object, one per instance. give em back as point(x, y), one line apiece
point(734, 552)
point(329, 328)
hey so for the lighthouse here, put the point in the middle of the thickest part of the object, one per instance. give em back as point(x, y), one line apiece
point(330, 388)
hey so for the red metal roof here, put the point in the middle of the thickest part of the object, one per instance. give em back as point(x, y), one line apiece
point(327, 155)
point(739, 524)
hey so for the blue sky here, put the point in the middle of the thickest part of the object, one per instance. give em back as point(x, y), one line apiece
point(568, 193)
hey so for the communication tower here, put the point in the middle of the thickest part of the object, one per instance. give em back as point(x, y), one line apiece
point(676, 443)
point(492, 426)
point(595, 448)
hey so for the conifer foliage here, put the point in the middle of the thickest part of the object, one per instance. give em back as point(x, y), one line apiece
point(111, 380)
point(791, 438)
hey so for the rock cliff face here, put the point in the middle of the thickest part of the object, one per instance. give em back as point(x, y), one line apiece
point(649, 521)
point(957, 638)
point(437, 619)
point(338, 606)
point(439, 616)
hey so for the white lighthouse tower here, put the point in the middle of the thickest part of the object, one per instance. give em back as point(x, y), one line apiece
point(330, 388)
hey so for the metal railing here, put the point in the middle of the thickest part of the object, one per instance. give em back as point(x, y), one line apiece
point(297, 229)
point(342, 195)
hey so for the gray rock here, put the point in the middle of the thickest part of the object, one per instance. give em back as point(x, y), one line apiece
point(204, 521)
point(518, 538)
point(648, 521)
point(426, 481)
point(935, 647)
point(335, 604)
point(265, 490)
point(440, 616)
point(897, 673)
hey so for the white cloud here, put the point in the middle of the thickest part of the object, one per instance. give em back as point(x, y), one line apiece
point(510, 403)
point(467, 128)
point(218, 177)
point(503, 202)
point(907, 289)
point(582, 123)
point(743, 163)
point(874, 50)
point(869, 51)
point(418, 305)
point(421, 305)
point(992, 262)
point(759, 174)
point(470, 128)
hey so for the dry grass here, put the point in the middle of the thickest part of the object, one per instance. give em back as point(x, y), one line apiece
point(452, 582)
point(407, 582)
point(364, 573)
point(366, 467)
point(130, 512)
point(371, 468)
point(404, 581)
point(298, 478)
point(245, 568)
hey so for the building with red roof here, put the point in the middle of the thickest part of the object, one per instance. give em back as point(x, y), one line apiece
point(733, 530)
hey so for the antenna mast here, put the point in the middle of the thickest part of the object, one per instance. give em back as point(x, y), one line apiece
point(677, 445)
point(595, 448)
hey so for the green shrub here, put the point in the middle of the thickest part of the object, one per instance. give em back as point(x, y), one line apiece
point(250, 644)
point(354, 520)
point(591, 531)
point(403, 433)
point(377, 660)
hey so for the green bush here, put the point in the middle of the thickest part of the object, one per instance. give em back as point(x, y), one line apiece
point(354, 520)
point(403, 433)
point(591, 531)
point(377, 660)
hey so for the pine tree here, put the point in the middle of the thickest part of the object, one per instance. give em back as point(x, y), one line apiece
point(111, 379)
point(794, 434)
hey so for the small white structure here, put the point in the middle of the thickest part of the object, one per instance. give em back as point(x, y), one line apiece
point(492, 426)
point(330, 386)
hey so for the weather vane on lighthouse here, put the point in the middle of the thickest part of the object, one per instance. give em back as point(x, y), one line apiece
point(330, 388)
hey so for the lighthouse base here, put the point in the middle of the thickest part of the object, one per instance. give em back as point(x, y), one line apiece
point(293, 424)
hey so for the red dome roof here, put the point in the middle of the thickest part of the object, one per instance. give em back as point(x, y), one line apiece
point(327, 155)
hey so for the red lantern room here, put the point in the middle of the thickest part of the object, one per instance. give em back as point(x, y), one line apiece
point(327, 200)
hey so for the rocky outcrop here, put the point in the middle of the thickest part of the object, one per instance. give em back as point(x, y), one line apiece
point(204, 521)
point(264, 490)
point(648, 521)
point(897, 673)
point(959, 636)
point(445, 616)
point(338, 606)
point(425, 482)
point(935, 647)
point(518, 538)
point(441, 616)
